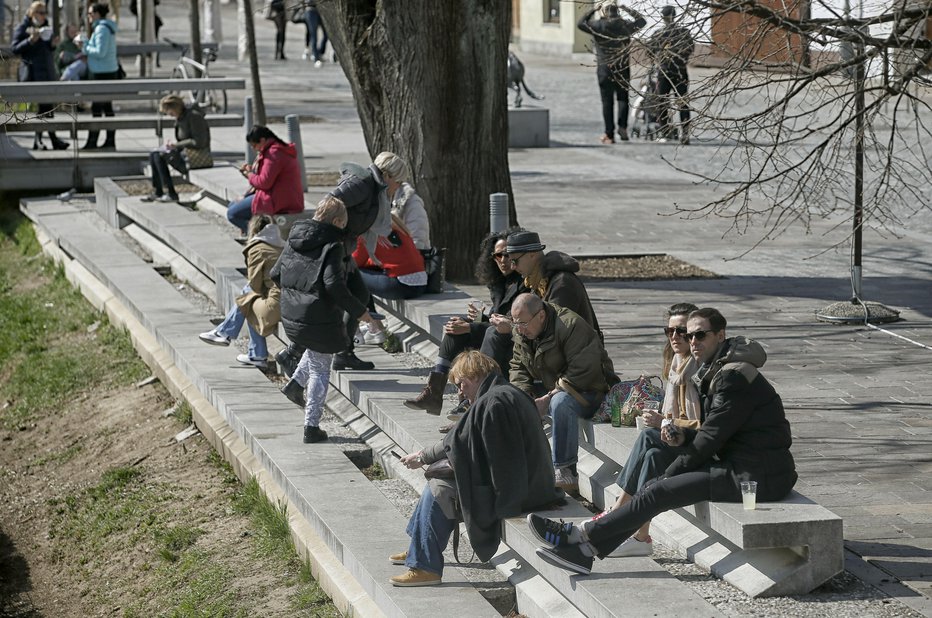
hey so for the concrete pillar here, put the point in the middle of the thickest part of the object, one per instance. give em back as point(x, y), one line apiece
point(248, 122)
point(498, 212)
point(294, 136)
point(212, 26)
point(241, 43)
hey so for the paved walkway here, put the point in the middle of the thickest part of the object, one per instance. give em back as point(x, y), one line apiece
point(860, 401)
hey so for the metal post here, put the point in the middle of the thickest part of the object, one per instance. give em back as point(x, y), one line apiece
point(247, 122)
point(498, 212)
point(858, 219)
point(294, 136)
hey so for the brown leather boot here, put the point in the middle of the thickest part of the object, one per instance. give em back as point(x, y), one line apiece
point(431, 398)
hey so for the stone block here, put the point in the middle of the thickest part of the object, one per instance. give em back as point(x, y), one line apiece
point(528, 127)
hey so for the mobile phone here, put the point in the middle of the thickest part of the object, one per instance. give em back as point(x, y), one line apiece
point(395, 455)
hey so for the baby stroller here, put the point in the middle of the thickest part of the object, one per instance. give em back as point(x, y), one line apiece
point(647, 107)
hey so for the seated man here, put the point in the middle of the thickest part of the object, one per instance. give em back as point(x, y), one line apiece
point(555, 347)
point(499, 458)
point(744, 437)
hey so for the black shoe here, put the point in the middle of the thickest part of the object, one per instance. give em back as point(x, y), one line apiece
point(553, 533)
point(461, 408)
point(569, 557)
point(294, 392)
point(623, 134)
point(349, 360)
point(90, 147)
point(58, 144)
point(314, 434)
point(286, 363)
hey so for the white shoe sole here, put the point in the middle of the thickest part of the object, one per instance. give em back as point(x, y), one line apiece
point(225, 342)
point(636, 552)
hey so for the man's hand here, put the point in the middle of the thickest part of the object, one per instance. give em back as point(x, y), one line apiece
point(651, 418)
point(412, 461)
point(501, 323)
point(456, 326)
point(543, 405)
point(674, 439)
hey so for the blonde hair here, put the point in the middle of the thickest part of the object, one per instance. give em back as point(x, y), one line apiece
point(393, 165)
point(331, 210)
point(171, 102)
point(473, 364)
point(257, 224)
point(35, 5)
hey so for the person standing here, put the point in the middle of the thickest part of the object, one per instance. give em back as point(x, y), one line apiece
point(314, 46)
point(102, 64)
point(612, 38)
point(33, 42)
point(276, 12)
point(672, 46)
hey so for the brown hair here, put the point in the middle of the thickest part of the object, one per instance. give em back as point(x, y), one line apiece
point(171, 102)
point(673, 310)
point(473, 364)
point(257, 224)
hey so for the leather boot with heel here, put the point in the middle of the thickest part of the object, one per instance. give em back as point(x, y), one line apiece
point(431, 398)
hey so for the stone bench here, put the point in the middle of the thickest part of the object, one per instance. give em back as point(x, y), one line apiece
point(328, 490)
point(158, 122)
point(109, 90)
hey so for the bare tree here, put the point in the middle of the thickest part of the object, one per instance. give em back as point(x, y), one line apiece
point(428, 77)
point(800, 87)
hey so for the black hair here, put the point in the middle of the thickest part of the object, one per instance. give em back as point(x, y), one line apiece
point(486, 270)
point(258, 132)
point(673, 310)
point(101, 8)
point(680, 309)
point(716, 319)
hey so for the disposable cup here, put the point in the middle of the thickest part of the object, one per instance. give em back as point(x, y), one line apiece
point(639, 423)
point(749, 495)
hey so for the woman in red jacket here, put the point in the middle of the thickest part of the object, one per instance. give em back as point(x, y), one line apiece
point(397, 272)
point(274, 180)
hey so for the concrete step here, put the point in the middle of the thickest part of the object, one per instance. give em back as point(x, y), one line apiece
point(360, 526)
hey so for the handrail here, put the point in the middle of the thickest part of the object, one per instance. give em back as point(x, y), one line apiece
point(68, 92)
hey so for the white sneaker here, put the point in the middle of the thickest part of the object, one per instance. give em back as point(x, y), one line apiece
point(306, 55)
point(213, 338)
point(634, 547)
point(318, 64)
point(245, 360)
point(376, 338)
point(566, 480)
point(360, 335)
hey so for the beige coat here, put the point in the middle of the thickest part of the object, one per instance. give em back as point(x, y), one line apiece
point(261, 306)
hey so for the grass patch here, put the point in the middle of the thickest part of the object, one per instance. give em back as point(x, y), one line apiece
point(375, 472)
point(59, 457)
point(273, 533)
point(392, 344)
point(176, 540)
point(184, 414)
point(46, 351)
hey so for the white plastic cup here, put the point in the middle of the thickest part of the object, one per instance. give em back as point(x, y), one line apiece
point(749, 495)
point(639, 422)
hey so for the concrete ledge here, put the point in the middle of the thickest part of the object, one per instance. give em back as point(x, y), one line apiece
point(528, 127)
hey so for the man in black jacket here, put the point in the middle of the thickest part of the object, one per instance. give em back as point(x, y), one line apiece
point(744, 436)
point(672, 46)
point(612, 37)
point(499, 467)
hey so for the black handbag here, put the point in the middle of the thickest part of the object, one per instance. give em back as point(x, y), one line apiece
point(435, 264)
point(440, 469)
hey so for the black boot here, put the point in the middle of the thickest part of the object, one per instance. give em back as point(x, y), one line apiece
point(431, 398)
point(349, 360)
point(57, 144)
point(110, 142)
point(294, 392)
point(91, 143)
point(37, 142)
point(314, 434)
point(288, 359)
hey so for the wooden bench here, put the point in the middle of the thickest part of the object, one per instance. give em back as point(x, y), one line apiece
point(74, 124)
point(786, 547)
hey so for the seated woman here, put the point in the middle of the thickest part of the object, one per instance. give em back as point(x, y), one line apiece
point(650, 455)
point(259, 303)
point(397, 272)
point(500, 460)
point(274, 179)
point(406, 203)
point(189, 151)
point(312, 276)
point(494, 269)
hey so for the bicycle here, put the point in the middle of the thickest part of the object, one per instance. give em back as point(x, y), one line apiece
point(211, 101)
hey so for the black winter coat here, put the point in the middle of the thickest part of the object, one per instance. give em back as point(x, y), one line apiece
point(743, 424)
point(565, 289)
point(502, 462)
point(37, 57)
point(312, 277)
point(360, 195)
point(504, 291)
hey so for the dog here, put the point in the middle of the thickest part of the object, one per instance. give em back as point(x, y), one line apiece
point(516, 79)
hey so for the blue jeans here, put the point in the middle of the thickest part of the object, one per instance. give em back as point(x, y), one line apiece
point(239, 213)
point(233, 323)
point(430, 532)
point(565, 411)
point(381, 285)
point(649, 458)
point(311, 22)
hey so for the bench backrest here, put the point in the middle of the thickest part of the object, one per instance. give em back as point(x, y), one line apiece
point(74, 92)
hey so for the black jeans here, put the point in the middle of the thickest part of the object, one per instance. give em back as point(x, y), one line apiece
point(664, 494)
point(451, 345)
point(161, 175)
point(675, 80)
point(613, 83)
point(500, 347)
point(357, 288)
point(102, 108)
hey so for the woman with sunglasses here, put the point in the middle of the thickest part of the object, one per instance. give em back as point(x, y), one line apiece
point(494, 269)
point(650, 455)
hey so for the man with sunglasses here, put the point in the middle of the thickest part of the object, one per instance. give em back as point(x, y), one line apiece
point(744, 436)
point(556, 352)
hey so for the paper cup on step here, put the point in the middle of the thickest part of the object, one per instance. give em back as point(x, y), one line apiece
point(639, 422)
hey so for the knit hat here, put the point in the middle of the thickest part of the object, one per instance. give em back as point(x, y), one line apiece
point(524, 242)
point(668, 11)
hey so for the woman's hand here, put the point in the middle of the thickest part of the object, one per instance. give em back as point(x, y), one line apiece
point(473, 311)
point(412, 461)
point(245, 169)
point(651, 418)
point(456, 326)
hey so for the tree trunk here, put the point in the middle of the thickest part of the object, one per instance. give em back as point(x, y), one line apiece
point(257, 102)
point(429, 78)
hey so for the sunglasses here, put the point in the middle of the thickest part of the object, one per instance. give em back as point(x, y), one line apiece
point(514, 260)
point(679, 330)
point(501, 255)
point(698, 335)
